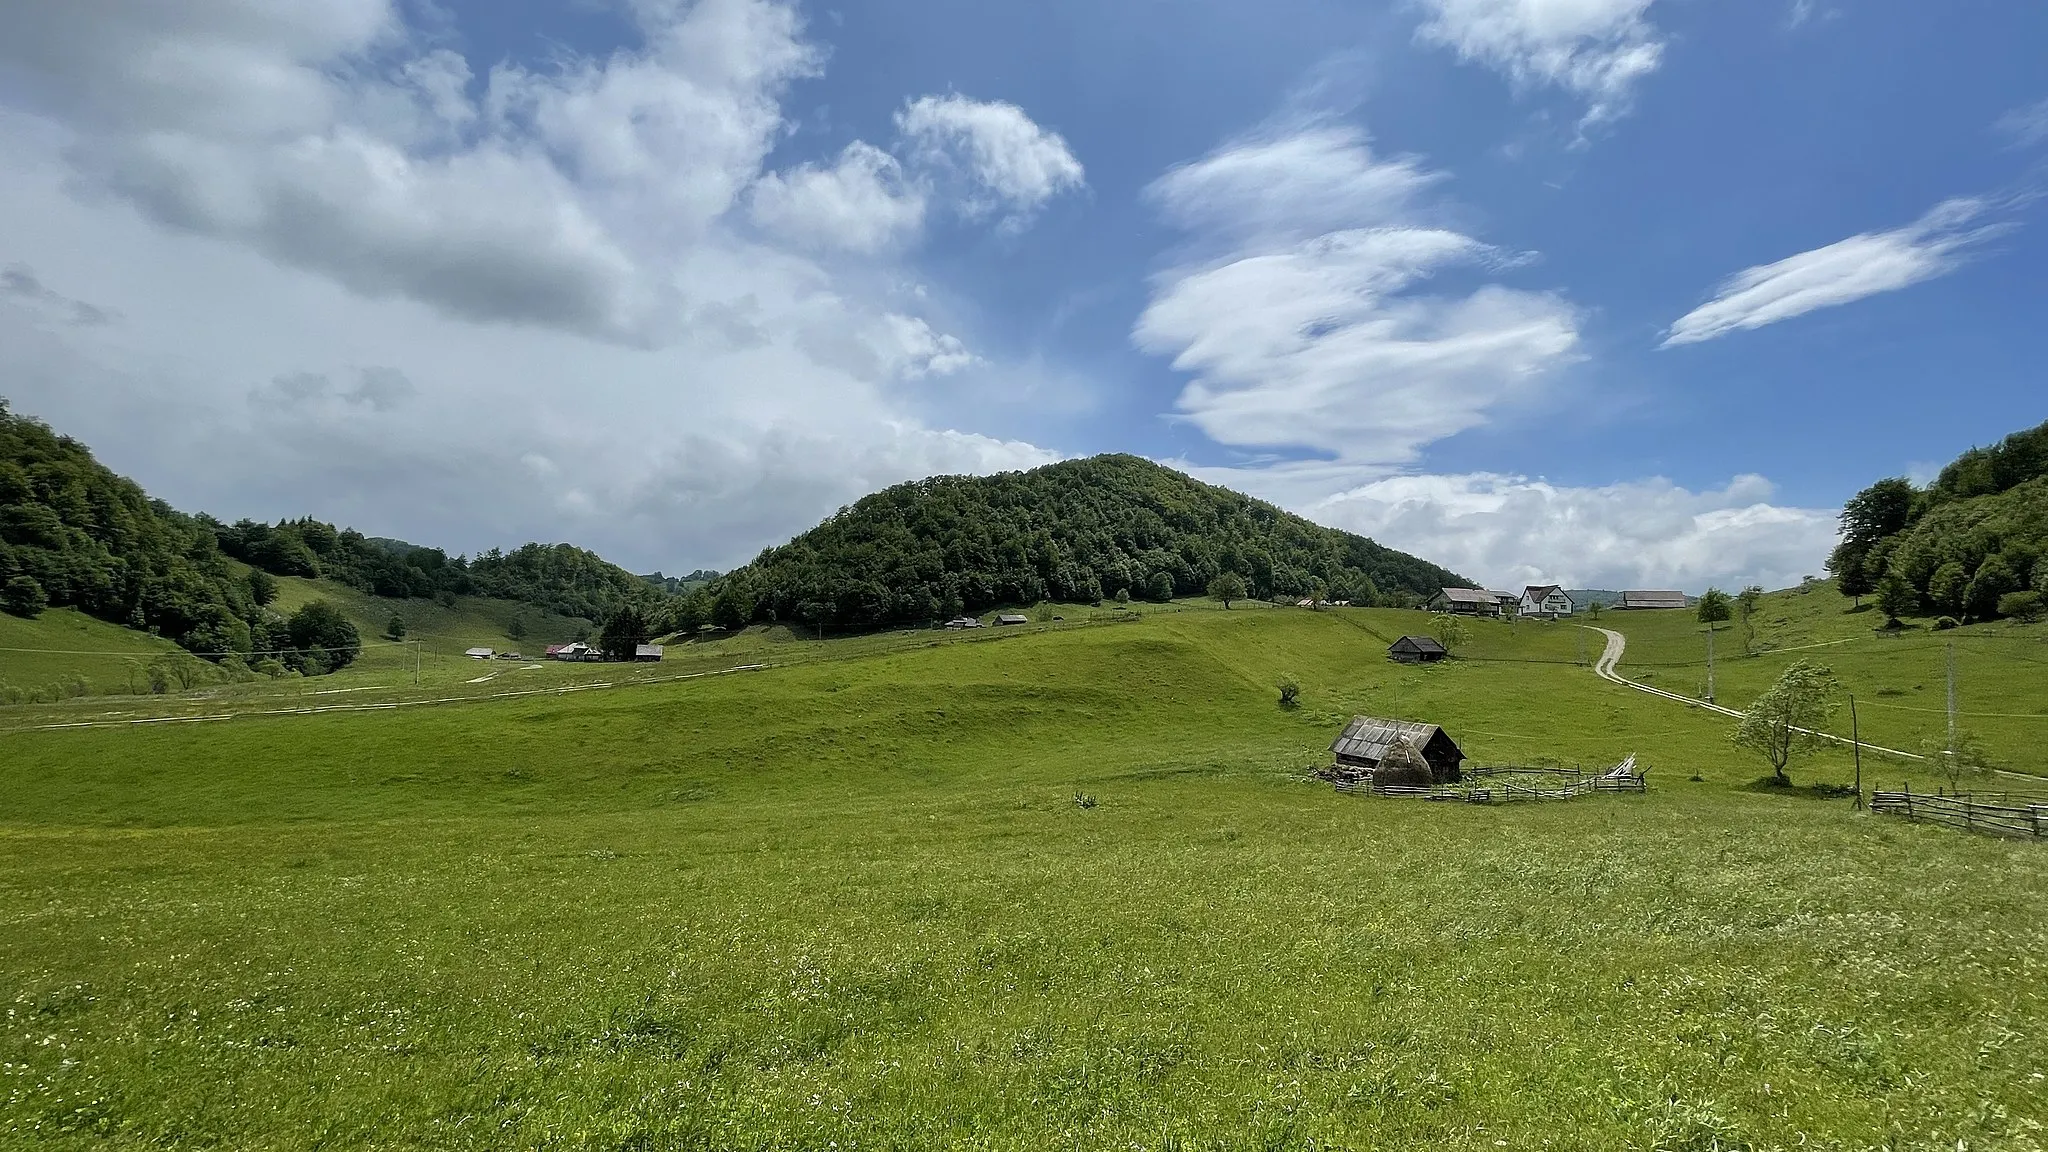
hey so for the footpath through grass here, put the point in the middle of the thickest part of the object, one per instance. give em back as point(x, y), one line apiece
point(851, 900)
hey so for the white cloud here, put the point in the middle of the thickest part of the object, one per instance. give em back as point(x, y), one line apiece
point(1310, 328)
point(332, 271)
point(1595, 49)
point(1845, 271)
point(861, 203)
point(1009, 163)
point(1508, 531)
point(2026, 125)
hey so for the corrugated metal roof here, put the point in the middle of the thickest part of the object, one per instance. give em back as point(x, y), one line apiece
point(1468, 596)
point(1653, 599)
point(1368, 738)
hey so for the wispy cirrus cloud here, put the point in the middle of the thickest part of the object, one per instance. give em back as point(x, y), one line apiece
point(2026, 125)
point(1840, 273)
point(1594, 49)
point(1302, 306)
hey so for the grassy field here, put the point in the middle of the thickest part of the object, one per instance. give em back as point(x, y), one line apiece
point(64, 644)
point(848, 899)
point(1897, 677)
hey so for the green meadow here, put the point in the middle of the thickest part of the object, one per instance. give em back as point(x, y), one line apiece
point(848, 899)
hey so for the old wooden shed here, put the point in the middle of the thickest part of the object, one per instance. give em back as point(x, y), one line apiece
point(1366, 740)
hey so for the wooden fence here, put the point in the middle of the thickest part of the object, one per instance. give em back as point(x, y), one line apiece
point(1500, 785)
point(1999, 813)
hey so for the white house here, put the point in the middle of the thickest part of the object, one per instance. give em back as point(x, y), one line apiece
point(1546, 600)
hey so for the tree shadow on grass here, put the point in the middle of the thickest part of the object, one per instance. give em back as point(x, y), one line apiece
point(1772, 786)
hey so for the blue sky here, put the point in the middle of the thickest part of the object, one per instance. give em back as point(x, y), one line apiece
point(1599, 291)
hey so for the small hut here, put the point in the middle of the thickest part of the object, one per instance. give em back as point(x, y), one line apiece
point(1416, 650)
point(1367, 740)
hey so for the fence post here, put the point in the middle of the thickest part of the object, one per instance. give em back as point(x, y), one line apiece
point(1909, 799)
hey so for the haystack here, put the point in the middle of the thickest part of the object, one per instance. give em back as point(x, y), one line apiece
point(1403, 767)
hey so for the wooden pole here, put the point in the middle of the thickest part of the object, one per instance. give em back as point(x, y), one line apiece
point(1856, 741)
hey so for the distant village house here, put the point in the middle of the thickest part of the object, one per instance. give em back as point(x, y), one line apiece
point(478, 653)
point(1465, 602)
point(1652, 600)
point(647, 653)
point(1546, 600)
point(1013, 618)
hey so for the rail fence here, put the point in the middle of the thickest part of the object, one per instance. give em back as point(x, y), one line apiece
point(1998, 813)
point(1499, 785)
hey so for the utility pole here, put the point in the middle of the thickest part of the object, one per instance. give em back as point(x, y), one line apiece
point(1710, 662)
point(1951, 698)
point(416, 662)
point(1856, 741)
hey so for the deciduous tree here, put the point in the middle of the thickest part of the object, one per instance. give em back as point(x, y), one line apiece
point(1449, 632)
point(1227, 587)
point(1786, 720)
point(1715, 607)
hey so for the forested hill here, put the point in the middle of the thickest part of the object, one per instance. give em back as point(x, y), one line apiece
point(1974, 543)
point(1079, 530)
point(73, 533)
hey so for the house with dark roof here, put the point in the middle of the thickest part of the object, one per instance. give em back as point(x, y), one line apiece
point(1652, 600)
point(1416, 650)
point(1367, 740)
point(1465, 602)
point(1546, 600)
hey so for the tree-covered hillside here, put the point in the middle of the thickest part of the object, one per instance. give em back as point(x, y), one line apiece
point(1079, 530)
point(1963, 546)
point(75, 534)
point(559, 578)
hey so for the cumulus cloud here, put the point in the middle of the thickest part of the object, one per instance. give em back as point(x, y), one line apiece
point(1845, 271)
point(861, 203)
point(329, 137)
point(358, 279)
point(1009, 164)
point(1513, 530)
point(1594, 49)
point(1300, 311)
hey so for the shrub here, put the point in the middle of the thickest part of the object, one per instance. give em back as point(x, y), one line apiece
point(2023, 606)
point(1944, 623)
point(22, 596)
point(1290, 693)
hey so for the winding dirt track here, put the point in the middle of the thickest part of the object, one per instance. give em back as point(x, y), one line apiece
point(1617, 644)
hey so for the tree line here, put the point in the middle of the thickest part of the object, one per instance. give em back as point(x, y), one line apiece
point(1971, 545)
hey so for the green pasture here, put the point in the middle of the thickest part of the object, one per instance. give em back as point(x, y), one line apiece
point(1898, 677)
point(849, 900)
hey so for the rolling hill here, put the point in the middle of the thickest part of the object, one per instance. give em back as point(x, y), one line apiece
point(1075, 531)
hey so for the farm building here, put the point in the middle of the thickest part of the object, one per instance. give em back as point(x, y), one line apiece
point(1367, 740)
point(579, 651)
point(1652, 600)
point(1416, 650)
point(647, 653)
point(1465, 602)
point(1547, 600)
point(478, 653)
point(959, 622)
point(1013, 618)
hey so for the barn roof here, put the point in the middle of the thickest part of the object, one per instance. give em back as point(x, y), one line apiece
point(1540, 592)
point(1368, 738)
point(1423, 644)
point(1653, 599)
point(1468, 596)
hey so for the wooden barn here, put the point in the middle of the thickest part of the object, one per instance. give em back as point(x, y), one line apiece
point(1416, 650)
point(1465, 602)
point(1367, 739)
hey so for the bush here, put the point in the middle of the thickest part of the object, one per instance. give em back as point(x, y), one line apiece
point(23, 597)
point(2023, 606)
point(1944, 623)
point(1290, 693)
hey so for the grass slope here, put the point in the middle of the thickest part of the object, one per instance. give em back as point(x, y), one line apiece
point(63, 643)
point(1899, 679)
point(849, 899)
